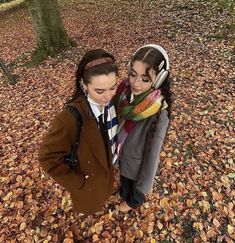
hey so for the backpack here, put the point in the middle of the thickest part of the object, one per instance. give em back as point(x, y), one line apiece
point(72, 159)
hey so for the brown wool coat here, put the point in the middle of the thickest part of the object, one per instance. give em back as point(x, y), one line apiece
point(92, 182)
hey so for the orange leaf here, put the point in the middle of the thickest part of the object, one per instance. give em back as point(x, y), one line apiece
point(164, 203)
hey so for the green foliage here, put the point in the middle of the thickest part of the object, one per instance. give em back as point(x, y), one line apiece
point(226, 7)
point(225, 4)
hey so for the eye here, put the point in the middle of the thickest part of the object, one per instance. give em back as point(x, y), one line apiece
point(99, 91)
point(114, 87)
point(145, 80)
point(132, 74)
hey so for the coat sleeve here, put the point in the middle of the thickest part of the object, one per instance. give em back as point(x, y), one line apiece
point(56, 144)
point(151, 157)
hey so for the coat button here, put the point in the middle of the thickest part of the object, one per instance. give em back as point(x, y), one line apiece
point(88, 161)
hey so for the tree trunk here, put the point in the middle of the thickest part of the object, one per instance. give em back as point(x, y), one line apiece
point(51, 36)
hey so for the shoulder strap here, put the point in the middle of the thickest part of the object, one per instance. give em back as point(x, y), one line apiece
point(76, 113)
point(79, 122)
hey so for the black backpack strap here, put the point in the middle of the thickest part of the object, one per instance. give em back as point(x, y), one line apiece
point(72, 159)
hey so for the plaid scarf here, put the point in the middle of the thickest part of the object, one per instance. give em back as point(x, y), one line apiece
point(143, 106)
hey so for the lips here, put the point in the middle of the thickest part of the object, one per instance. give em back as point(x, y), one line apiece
point(134, 90)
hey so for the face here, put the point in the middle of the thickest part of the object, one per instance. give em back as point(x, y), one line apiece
point(139, 80)
point(102, 88)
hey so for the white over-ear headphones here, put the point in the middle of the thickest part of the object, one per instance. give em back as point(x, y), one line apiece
point(163, 72)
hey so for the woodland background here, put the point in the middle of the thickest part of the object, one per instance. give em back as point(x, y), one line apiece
point(193, 196)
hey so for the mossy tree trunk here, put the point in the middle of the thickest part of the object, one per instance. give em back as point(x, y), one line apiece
point(51, 36)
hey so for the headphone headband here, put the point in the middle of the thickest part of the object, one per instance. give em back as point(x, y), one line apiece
point(160, 49)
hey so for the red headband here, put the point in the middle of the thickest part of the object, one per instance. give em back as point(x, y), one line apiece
point(99, 61)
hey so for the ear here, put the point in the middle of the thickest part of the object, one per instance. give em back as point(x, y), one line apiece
point(83, 86)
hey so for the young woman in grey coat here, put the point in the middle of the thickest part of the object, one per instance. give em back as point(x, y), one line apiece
point(143, 106)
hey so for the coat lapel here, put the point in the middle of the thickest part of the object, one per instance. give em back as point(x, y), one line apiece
point(93, 136)
point(95, 142)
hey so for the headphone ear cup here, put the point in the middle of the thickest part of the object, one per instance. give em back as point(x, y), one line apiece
point(160, 78)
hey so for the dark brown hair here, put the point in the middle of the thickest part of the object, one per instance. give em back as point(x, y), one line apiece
point(100, 69)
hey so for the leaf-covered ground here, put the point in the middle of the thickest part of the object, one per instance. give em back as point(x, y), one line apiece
point(193, 196)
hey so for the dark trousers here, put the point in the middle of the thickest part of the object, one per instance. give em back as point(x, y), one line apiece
point(130, 194)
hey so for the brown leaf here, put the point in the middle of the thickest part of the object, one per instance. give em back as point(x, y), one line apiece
point(95, 237)
point(22, 226)
point(164, 203)
point(216, 223)
point(139, 233)
point(68, 240)
point(230, 229)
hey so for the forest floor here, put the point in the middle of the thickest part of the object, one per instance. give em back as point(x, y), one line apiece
point(194, 192)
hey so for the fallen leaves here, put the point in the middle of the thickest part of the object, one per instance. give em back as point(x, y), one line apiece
point(66, 203)
point(193, 196)
point(164, 203)
point(97, 228)
point(7, 197)
point(216, 223)
point(231, 229)
point(205, 205)
point(22, 226)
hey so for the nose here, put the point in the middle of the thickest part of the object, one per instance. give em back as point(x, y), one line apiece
point(109, 95)
point(136, 79)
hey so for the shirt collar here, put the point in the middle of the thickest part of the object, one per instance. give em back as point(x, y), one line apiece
point(95, 107)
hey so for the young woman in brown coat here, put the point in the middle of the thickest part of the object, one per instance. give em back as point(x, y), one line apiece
point(90, 183)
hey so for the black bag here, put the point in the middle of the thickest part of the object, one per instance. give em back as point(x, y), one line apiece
point(72, 158)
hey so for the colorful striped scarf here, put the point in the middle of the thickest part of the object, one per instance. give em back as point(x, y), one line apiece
point(143, 106)
point(112, 125)
point(110, 120)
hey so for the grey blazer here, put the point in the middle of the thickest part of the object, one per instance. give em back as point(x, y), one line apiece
point(141, 152)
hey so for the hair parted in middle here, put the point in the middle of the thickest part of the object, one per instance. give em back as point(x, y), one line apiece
point(151, 56)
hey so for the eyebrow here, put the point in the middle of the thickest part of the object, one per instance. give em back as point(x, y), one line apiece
point(97, 89)
point(145, 75)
